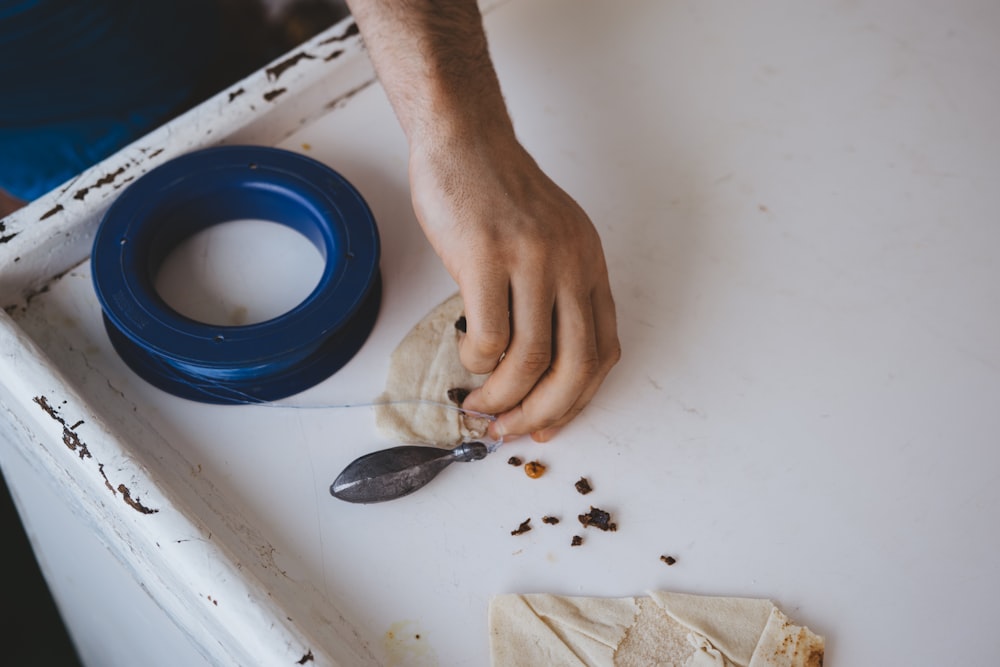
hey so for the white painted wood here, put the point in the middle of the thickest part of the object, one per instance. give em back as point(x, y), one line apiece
point(798, 204)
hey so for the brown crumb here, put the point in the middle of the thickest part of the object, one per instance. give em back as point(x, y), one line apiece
point(460, 324)
point(457, 395)
point(583, 486)
point(598, 518)
point(551, 520)
point(669, 560)
point(523, 528)
point(577, 541)
point(534, 469)
point(514, 461)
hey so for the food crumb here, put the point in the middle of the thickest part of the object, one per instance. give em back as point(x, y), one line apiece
point(598, 518)
point(551, 520)
point(457, 395)
point(669, 560)
point(534, 469)
point(583, 486)
point(577, 541)
point(523, 528)
point(514, 461)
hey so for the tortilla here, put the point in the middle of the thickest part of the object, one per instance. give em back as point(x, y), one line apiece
point(424, 367)
point(666, 629)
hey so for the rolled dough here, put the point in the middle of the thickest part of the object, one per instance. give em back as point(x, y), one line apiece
point(424, 367)
point(661, 629)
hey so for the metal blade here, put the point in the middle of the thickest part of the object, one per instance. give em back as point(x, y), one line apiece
point(398, 471)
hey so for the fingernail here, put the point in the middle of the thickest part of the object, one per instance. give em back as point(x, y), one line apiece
point(545, 434)
point(497, 432)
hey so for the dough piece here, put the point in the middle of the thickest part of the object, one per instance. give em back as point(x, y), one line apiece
point(425, 366)
point(663, 629)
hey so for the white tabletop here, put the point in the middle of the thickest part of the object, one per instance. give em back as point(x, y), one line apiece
point(798, 203)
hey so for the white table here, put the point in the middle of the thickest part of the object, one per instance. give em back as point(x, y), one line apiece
point(799, 207)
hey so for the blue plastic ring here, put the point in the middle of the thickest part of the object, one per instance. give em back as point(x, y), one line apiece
point(237, 364)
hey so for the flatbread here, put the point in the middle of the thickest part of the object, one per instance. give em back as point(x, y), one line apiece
point(662, 629)
point(424, 367)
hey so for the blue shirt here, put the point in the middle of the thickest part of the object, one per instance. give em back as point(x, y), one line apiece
point(79, 79)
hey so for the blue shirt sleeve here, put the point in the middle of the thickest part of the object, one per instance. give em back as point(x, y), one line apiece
point(79, 79)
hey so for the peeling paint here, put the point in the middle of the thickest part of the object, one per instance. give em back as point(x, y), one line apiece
point(134, 502)
point(236, 93)
point(8, 237)
point(104, 180)
point(74, 443)
point(51, 212)
point(69, 437)
point(351, 31)
point(274, 72)
point(72, 440)
point(107, 483)
point(128, 180)
point(334, 55)
point(308, 657)
point(271, 94)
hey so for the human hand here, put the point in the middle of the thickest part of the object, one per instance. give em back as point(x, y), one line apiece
point(529, 264)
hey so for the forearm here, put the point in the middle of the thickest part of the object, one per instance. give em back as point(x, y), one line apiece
point(526, 258)
point(432, 59)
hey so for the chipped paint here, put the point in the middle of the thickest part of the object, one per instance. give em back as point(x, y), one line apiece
point(351, 31)
point(134, 502)
point(101, 182)
point(51, 212)
point(7, 237)
point(74, 443)
point(274, 72)
point(272, 94)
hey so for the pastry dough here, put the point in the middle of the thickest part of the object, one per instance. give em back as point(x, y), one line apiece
point(424, 367)
point(662, 629)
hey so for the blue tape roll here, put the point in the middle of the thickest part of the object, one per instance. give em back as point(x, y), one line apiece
point(237, 364)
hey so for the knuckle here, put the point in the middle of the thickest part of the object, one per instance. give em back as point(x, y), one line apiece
point(490, 343)
point(614, 354)
point(534, 362)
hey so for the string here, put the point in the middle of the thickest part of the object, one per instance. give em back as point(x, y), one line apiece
point(233, 395)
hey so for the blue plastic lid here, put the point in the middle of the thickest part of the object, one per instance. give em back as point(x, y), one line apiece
point(237, 364)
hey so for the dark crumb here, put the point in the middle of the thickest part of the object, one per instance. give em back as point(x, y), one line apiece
point(457, 395)
point(534, 469)
point(523, 528)
point(583, 486)
point(460, 324)
point(598, 518)
point(514, 461)
point(577, 541)
point(551, 520)
point(669, 560)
